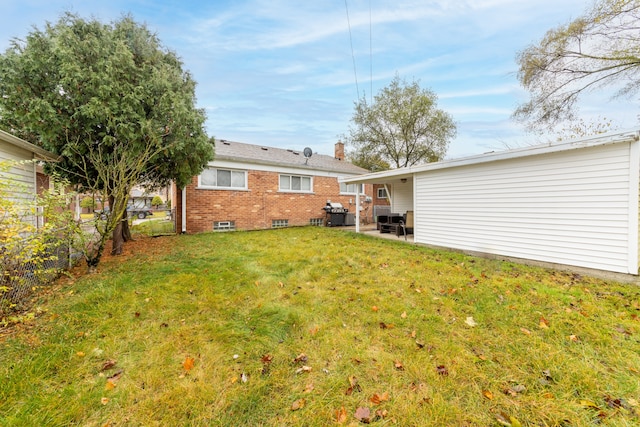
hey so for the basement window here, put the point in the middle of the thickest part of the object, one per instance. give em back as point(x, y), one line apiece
point(279, 223)
point(316, 221)
point(224, 226)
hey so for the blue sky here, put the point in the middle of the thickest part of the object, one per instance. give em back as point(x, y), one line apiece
point(281, 72)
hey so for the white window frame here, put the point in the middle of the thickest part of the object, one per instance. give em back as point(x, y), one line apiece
point(217, 187)
point(224, 225)
point(279, 223)
point(350, 188)
point(382, 189)
point(290, 176)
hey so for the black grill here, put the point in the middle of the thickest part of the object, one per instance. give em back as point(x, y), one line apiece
point(336, 214)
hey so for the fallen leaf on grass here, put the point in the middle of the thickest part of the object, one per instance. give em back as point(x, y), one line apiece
point(301, 358)
point(188, 363)
point(544, 323)
point(404, 315)
point(398, 365)
point(525, 331)
point(386, 325)
point(442, 370)
point(514, 390)
point(353, 386)
point(305, 368)
point(375, 308)
point(110, 385)
point(104, 400)
point(573, 338)
point(108, 365)
point(363, 414)
point(341, 416)
point(376, 399)
point(80, 354)
point(314, 330)
point(507, 420)
point(266, 359)
point(298, 404)
point(308, 388)
point(487, 394)
point(470, 321)
point(244, 377)
point(589, 404)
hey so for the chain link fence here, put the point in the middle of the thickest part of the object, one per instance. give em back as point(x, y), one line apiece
point(24, 270)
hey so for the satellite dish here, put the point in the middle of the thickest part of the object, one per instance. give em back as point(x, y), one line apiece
point(307, 152)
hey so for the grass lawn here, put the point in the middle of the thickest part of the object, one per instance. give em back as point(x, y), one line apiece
point(316, 326)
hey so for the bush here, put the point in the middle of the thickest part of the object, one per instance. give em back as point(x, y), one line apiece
point(88, 203)
point(157, 201)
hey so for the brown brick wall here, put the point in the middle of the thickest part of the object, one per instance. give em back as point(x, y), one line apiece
point(263, 202)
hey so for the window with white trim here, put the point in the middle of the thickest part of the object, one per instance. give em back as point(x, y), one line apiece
point(302, 184)
point(350, 188)
point(223, 179)
point(382, 193)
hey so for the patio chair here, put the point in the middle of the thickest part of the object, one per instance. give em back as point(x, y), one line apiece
point(405, 226)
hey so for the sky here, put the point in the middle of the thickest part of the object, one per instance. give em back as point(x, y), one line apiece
point(286, 73)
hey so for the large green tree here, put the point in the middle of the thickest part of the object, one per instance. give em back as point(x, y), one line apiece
point(112, 101)
point(598, 49)
point(402, 126)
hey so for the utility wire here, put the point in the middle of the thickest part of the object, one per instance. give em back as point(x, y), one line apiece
point(355, 74)
point(370, 57)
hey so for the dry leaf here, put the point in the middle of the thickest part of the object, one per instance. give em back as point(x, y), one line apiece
point(548, 395)
point(573, 338)
point(302, 358)
point(188, 363)
point(314, 330)
point(487, 394)
point(525, 331)
point(298, 404)
point(305, 368)
point(374, 308)
point(104, 400)
point(80, 354)
point(267, 358)
point(376, 399)
point(108, 364)
point(386, 325)
point(308, 388)
point(381, 413)
point(244, 377)
point(404, 315)
point(398, 365)
point(470, 321)
point(341, 416)
point(442, 370)
point(544, 323)
point(413, 334)
point(110, 385)
point(363, 414)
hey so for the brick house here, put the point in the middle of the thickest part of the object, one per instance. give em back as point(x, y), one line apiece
point(249, 187)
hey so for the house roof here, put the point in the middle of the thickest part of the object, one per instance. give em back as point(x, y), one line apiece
point(40, 153)
point(259, 154)
point(401, 173)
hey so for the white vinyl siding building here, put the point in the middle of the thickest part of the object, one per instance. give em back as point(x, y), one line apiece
point(574, 203)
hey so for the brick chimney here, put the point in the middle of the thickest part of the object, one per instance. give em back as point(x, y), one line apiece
point(339, 150)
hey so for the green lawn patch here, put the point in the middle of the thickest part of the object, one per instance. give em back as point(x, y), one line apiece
point(314, 327)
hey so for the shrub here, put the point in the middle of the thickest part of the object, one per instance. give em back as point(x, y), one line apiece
point(157, 201)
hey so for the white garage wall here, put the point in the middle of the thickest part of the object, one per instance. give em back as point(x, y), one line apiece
point(402, 196)
point(577, 207)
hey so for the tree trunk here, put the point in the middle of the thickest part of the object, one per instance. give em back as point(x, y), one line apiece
point(126, 230)
point(118, 239)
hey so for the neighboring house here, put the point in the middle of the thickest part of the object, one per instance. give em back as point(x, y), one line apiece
point(25, 174)
point(249, 187)
point(572, 203)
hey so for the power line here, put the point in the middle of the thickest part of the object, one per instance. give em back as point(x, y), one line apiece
point(355, 74)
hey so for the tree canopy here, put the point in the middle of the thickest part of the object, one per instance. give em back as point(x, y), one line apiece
point(111, 100)
point(600, 48)
point(401, 127)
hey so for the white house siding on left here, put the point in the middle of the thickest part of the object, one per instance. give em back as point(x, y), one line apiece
point(575, 207)
point(21, 175)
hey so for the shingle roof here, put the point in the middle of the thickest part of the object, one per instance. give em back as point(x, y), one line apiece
point(257, 154)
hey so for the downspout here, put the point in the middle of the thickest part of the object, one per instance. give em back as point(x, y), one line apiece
point(184, 209)
point(358, 207)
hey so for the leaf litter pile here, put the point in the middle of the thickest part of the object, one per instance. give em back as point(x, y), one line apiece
point(316, 327)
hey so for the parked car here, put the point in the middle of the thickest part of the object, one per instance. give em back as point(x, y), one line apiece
point(141, 213)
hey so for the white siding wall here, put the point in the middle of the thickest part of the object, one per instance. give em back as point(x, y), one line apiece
point(22, 174)
point(577, 207)
point(402, 197)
